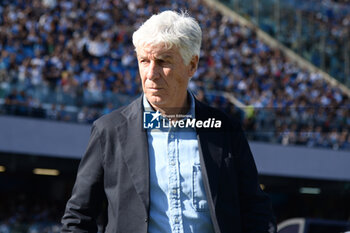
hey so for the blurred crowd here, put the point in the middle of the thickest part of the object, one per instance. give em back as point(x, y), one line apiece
point(19, 214)
point(335, 12)
point(332, 12)
point(324, 34)
point(318, 30)
point(74, 61)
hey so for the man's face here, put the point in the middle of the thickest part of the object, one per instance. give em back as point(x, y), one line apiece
point(164, 75)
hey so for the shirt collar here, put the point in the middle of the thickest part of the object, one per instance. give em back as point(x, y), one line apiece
point(191, 113)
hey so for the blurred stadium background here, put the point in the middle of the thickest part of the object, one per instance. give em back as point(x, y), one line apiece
point(281, 66)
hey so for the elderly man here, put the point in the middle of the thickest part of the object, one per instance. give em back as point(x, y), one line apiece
point(187, 168)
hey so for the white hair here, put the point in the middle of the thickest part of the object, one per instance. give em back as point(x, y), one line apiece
point(171, 29)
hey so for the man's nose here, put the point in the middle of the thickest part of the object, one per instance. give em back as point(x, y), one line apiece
point(152, 72)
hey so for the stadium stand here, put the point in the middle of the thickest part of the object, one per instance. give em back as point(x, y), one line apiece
point(317, 30)
point(58, 56)
point(73, 61)
point(22, 214)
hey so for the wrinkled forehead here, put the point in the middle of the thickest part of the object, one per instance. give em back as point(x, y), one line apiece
point(156, 50)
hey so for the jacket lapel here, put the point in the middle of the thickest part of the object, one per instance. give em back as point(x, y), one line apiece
point(135, 150)
point(211, 151)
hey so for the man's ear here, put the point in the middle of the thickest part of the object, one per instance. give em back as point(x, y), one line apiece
point(193, 65)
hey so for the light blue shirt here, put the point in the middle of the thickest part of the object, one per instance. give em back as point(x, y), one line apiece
point(178, 202)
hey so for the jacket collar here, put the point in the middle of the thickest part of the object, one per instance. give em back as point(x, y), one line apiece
point(135, 152)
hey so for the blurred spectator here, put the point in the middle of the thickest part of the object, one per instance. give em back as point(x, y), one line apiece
point(77, 54)
point(21, 213)
point(52, 113)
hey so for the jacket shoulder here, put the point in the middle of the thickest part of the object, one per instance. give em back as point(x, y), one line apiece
point(119, 116)
point(205, 111)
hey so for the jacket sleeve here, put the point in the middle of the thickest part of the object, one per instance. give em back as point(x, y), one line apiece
point(87, 197)
point(256, 209)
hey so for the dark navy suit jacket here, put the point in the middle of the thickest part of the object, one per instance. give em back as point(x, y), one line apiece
point(115, 169)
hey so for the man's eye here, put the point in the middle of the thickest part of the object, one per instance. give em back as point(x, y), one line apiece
point(162, 62)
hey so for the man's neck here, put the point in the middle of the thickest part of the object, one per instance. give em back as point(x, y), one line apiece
point(171, 112)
